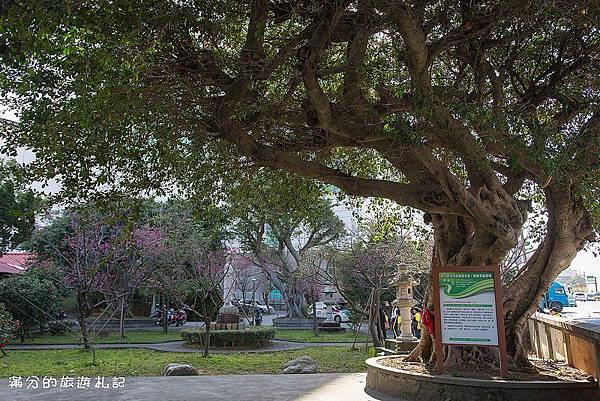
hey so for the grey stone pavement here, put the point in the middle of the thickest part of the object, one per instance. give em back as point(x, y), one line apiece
point(178, 346)
point(315, 387)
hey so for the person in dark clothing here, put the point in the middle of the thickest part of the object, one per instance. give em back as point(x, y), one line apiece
point(384, 323)
point(415, 322)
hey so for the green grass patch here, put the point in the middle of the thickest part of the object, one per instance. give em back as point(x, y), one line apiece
point(308, 336)
point(110, 338)
point(157, 336)
point(134, 362)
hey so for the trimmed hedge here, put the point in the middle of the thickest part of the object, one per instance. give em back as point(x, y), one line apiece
point(56, 327)
point(247, 338)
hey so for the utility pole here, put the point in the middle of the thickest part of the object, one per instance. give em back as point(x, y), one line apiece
point(253, 300)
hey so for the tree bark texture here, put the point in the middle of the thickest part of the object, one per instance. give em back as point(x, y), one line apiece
point(568, 228)
point(206, 328)
point(82, 314)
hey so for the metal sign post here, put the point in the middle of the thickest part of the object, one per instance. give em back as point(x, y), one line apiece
point(468, 310)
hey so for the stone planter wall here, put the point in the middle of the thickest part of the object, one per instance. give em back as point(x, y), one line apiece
point(293, 323)
point(422, 387)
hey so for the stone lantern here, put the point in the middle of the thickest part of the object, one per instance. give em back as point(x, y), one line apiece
point(404, 299)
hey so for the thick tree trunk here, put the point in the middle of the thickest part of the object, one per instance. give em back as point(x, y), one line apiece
point(295, 303)
point(206, 329)
point(122, 321)
point(455, 247)
point(374, 326)
point(459, 243)
point(424, 350)
point(293, 300)
point(568, 228)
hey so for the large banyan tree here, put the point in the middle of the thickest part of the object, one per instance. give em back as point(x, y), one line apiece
point(474, 112)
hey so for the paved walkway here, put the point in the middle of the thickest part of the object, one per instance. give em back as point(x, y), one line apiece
point(178, 346)
point(316, 387)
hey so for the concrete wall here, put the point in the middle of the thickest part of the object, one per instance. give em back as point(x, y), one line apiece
point(577, 343)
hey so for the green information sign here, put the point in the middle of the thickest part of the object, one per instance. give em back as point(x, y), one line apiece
point(468, 308)
point(468, 304)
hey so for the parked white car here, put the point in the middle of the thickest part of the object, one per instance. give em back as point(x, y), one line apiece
point(340, 315)
point(593, 296)
point(579, 296)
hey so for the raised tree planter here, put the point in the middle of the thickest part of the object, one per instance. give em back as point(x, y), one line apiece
point(247, 338)
point(411, 386)
point(293, 323)
point(331, 327)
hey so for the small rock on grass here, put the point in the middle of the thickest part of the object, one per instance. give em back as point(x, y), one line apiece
point(179, 369)
point(303, 364)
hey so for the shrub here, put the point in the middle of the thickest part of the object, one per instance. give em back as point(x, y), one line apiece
point(247, 338)
point(57, 327)
point(31, 298)
point(7, 327)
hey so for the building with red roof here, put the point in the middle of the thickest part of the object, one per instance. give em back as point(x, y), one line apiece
point(14, 262)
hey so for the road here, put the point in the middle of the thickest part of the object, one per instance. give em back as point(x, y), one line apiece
point(588, 312)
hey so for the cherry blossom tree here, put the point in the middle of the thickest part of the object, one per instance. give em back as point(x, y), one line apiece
point(77, 248)
point(310, 280)
point(134, 257)
point(205, 271)
point(101, 257)
point(365, 271)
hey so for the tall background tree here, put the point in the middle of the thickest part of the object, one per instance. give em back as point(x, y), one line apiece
point(464, 110)
point(281, 229)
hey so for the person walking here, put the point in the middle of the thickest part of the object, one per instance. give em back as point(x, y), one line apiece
point(396, 319)
point(415, 322)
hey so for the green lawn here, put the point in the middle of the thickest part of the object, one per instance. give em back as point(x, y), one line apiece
point(134, 362)
point(113, 337)
point(157, 336)
point(307, 336)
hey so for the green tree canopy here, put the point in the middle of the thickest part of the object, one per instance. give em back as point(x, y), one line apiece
point(18, 206)
point(463, 110)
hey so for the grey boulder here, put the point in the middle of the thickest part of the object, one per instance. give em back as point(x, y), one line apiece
point(303, 364)
point(179, 369)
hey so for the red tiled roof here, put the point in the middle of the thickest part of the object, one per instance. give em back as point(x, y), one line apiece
point(14, 262)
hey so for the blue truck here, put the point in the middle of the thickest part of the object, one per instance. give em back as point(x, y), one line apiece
point(556, 297)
